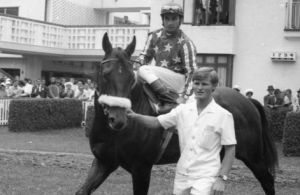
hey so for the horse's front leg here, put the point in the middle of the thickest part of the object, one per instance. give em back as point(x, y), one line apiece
point(98, 172)
point(141, 174)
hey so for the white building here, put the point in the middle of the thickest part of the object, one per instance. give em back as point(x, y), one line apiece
point(245, 46)
point(64, 37)
point(251, 43)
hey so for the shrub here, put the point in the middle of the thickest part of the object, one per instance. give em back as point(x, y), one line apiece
point(89, 120)
point(40, 114)
point(291, 134)
point(276, 119)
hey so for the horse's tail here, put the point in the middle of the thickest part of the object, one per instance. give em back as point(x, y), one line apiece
point(269, 148)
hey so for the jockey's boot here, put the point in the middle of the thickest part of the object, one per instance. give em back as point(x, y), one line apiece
point(167, 97)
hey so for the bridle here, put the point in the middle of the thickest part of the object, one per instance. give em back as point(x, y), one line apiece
point(120, 69)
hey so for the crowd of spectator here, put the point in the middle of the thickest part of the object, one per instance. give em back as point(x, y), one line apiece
point(277, 98)
point(57, 88)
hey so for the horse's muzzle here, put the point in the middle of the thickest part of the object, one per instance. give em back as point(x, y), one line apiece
point(117, 118)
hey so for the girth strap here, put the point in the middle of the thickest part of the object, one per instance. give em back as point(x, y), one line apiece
point(164, 143)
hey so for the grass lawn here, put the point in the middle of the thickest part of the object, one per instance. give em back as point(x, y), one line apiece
point(61, 173)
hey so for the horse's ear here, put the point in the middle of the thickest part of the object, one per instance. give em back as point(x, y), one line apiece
point(106, 45)
point(131, 47)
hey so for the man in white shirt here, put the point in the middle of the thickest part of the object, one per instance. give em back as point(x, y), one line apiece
point(27, 88)
point(204, 127)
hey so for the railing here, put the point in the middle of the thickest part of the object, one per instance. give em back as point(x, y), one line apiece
point(292, 18)
point(4, 110)
point(37, 33)
point(85, 105)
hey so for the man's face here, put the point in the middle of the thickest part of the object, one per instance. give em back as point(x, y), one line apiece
point(203, 89)
point(271, 91)
point(53, 80)
point(171, 22)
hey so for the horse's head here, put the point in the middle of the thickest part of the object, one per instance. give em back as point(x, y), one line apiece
point(116, 80)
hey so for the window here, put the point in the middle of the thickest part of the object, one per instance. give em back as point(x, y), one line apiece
point(221, 63)
point(293, 15)
point(10, 10)
point(208, 12)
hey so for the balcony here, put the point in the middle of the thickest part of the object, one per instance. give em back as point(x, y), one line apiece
point(24, 36)
point(292, 19)
point(121, 5)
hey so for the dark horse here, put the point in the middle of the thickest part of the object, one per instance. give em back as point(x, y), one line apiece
point(117, 141)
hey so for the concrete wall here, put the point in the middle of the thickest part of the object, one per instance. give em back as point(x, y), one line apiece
point(33, 67)
point(260, 31)
point(33, 9)
point(68, 13)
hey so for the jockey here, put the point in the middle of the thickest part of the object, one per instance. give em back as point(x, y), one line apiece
point(174, 54)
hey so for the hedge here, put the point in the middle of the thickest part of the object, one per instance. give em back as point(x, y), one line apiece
point(41, 114)
point(291, 134)
point(276, 119)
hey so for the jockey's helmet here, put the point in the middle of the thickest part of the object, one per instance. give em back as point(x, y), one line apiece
point(171, 8)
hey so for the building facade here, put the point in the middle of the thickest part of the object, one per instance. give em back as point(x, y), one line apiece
point(251, 43)
point(63, 38)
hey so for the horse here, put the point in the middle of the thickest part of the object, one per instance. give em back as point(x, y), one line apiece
point(117, 141)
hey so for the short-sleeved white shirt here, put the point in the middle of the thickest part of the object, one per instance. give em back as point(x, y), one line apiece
point(200, 137)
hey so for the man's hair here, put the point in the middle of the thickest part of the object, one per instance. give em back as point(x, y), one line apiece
point(204, 72)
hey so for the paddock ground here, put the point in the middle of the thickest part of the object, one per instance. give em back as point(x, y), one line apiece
point(56, 162)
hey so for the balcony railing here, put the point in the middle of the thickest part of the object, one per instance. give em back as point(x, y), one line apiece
point(292, 20)
point(36, 33)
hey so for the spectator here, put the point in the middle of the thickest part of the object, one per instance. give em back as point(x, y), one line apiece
point(237, 88)
point(68, 93)
point(15, 90)
point(269, 99)
point(88, 90)
point(81, 93)
point(27, 89)
point(89, 82)
point(74, 84)
point(278, 98)
point(61, 87)
point(53, 89)
point(296, 102)
point(39, 89)
point(287, 99)
point(63, 81)
point(249, 93)
point(92, 91)
point(3, 93)
point(17, 78)
point(8, 82)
